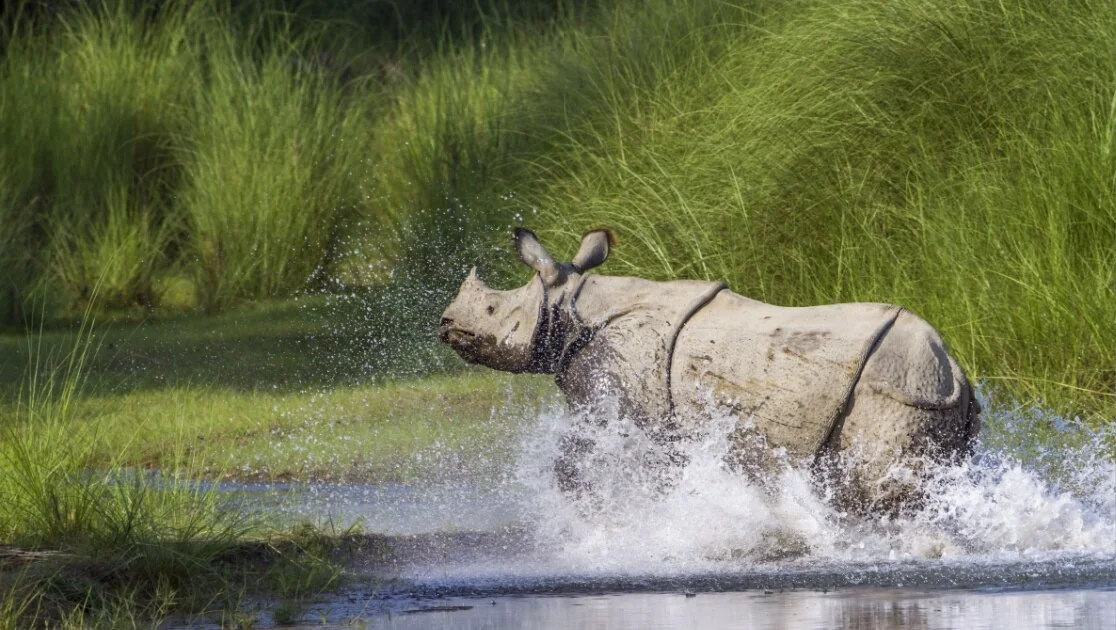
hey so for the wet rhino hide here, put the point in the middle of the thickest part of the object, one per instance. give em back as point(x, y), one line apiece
point(872, 380)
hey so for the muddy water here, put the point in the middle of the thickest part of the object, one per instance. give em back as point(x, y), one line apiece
point(1023, 535)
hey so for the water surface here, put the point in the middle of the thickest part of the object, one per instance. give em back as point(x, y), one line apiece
point(756, 610)
point(1022, 535)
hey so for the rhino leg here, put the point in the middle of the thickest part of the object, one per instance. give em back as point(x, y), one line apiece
point(883, 452)
point(569, 467)
point(605, 406)
point(912, 406)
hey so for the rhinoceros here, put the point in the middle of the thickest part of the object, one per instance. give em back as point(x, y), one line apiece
point(870, 384)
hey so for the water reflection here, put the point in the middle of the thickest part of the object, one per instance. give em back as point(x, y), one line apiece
point(852, 608)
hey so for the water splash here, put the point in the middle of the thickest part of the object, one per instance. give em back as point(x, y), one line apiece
point(1018, 498)
point(1035, 505)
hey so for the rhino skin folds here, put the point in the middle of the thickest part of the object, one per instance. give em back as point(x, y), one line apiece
point(872, 382)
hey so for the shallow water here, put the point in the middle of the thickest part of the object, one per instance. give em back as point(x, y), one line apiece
point(1021, 535)
point(755, 610)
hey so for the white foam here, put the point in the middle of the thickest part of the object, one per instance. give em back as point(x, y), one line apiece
point(1014, 500)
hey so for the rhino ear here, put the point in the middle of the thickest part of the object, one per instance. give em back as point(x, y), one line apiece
point(535, 256)
point(594, 250)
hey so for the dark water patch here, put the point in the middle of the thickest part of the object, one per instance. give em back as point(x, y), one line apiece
point(1059, 573)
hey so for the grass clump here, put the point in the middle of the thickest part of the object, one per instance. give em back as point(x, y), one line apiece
point(89, 542)
point(274, 170)
point(86, 134)
point(145, 144)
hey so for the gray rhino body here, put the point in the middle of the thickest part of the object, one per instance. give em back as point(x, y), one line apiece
point(871, 381)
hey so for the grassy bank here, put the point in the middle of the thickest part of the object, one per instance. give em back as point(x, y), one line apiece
point(89, 542)
point(283, 390)
point(105, 433)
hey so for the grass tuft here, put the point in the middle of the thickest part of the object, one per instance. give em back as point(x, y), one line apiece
point(84, 541)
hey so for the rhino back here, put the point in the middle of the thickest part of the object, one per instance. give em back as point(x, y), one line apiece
point(789, 370)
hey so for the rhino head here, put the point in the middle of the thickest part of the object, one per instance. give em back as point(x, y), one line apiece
point(515, 330)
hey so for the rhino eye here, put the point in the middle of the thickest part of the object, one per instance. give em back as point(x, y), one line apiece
point(491, 309)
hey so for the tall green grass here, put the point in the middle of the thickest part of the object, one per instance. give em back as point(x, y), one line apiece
point(141, 144)
point(274, 168)
point(88, 110)
point(953, 156)
point(476, 133)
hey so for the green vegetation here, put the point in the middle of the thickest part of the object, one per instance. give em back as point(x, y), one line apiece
point(138, 140)
point(281, 391)
point(104, 436)
point(88, 542)
point(273, 200)
point(955, 157)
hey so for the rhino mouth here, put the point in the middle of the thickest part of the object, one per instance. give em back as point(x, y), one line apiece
point(459, 338)
point(462, 341)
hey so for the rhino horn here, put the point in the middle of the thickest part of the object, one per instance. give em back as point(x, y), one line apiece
point(594, 250)
point(535, 256)
point(475, 277)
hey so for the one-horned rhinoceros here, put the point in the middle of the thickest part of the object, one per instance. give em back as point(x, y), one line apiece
point(870, 384)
